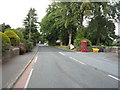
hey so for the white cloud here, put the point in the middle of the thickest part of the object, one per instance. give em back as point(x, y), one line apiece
point(13, 12)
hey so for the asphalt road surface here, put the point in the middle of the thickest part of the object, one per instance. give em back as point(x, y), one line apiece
point(57, 68)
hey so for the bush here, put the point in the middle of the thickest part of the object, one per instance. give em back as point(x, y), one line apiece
point(18, 32)
point(5, 38)
point(77, 42)
point(116, 44)
point(29, 46)
point(101, 49)
point(14, 38)
point(5, 42)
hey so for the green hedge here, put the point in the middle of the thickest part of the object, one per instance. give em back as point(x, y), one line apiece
point(77, 42)
point(14, 38)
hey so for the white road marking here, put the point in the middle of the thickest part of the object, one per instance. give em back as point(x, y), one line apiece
point(62, 53)
point(35, 59)
point(114, 77)
point(78, 61)
point(28, 78)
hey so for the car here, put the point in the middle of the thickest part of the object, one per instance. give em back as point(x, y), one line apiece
point(118, 41)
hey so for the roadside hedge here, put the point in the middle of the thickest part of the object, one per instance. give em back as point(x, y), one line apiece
point(14, 38)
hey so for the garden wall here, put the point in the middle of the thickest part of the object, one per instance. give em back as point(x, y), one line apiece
point(11, 53)
point(114, 49)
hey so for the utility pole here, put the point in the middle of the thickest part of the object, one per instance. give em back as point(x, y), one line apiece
point(30, 26)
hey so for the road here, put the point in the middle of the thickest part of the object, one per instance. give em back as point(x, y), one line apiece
point(57, 68)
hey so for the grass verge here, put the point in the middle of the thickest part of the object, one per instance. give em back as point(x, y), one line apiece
point(65, 48)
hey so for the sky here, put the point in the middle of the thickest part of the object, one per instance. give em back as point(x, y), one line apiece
point(13, 12)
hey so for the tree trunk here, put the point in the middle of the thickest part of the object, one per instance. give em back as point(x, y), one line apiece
point(70, 38)
point(98, 41)
point(61, 43)
point(98, 37)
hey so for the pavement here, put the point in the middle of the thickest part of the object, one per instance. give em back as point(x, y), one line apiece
point(14, 66)
point(57, 68)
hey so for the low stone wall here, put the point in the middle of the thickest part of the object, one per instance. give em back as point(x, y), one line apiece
point(11, 53)
point(114, 49)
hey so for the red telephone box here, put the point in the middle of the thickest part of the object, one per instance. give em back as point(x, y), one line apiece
point(83, 46)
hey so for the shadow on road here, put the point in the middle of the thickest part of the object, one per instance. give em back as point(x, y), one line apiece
point(51, 49)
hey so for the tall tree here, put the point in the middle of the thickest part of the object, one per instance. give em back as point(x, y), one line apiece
point(68, 17)
point(30, 23)
point(31, 26)
point(101, 29)
point(48, 27)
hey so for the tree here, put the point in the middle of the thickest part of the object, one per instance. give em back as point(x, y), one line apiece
point(3, 27)
point(114, 8)
point(48, 29)
point(68, 18)
point(30, 24)
point(64, 26)
point(101, 31)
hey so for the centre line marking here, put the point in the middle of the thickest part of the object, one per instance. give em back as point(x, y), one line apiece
point(28, 78)
point(36, 59)
point(62, 53)
point(78, 52)
point(78, 61)
point(114, 77)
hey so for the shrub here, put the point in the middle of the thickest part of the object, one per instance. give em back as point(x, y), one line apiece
point(5, 42)
point(77, 42)
point(5, 38)
point(18, 32)
point(101, 49)
point(116, 44)
point(29, 46)
point(14, 38)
